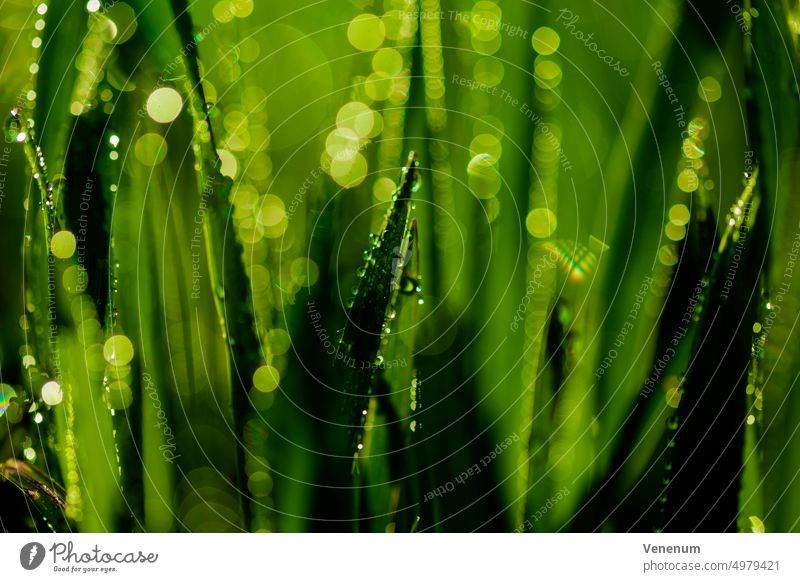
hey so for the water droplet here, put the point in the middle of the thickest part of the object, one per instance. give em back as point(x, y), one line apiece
point(408, 285)
point(672, 422)
point(415, 185)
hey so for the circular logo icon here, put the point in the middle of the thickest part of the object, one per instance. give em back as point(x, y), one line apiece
point(31, 555)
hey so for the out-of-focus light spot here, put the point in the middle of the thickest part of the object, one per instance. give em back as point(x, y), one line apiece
point(266, 378)
point(271, 211)
point(260, 484)
point(667, 255)
point(388, 61)
point(119, 395)
point(357, 117)
point(546, 73)
point(697, 127)
point(63, 244)
point(545, 40)
point(41, 9)
point(224, 11)
point(38, 418)
point(114, 141)
point(75, 279)
point(366, 32)
point(118, 350)
point(679, 214)
point(342, 145)
point(279, 341)
point(164, 105)
point(150, 149)
point(349, 173)
point(93, 5)
point(249, 50)
point(228, 164)
point(30, 454)
point(756, 327)
point(709, 90)
point(52, 393)
point(399, 24)
point(483, 177)
point(379, 86)
point(76, 108)
point(304, 272)
point(489, 71)
point(383, 188)
point(541, 222)
point(675, 232)
point(124, 18)
point(486, 143)
point(486, 18)
point(692, 148)
point(688, 180)
point(242, 8)
point(487, 47)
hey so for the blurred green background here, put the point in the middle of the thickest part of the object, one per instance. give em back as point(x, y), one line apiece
point(598, 332)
